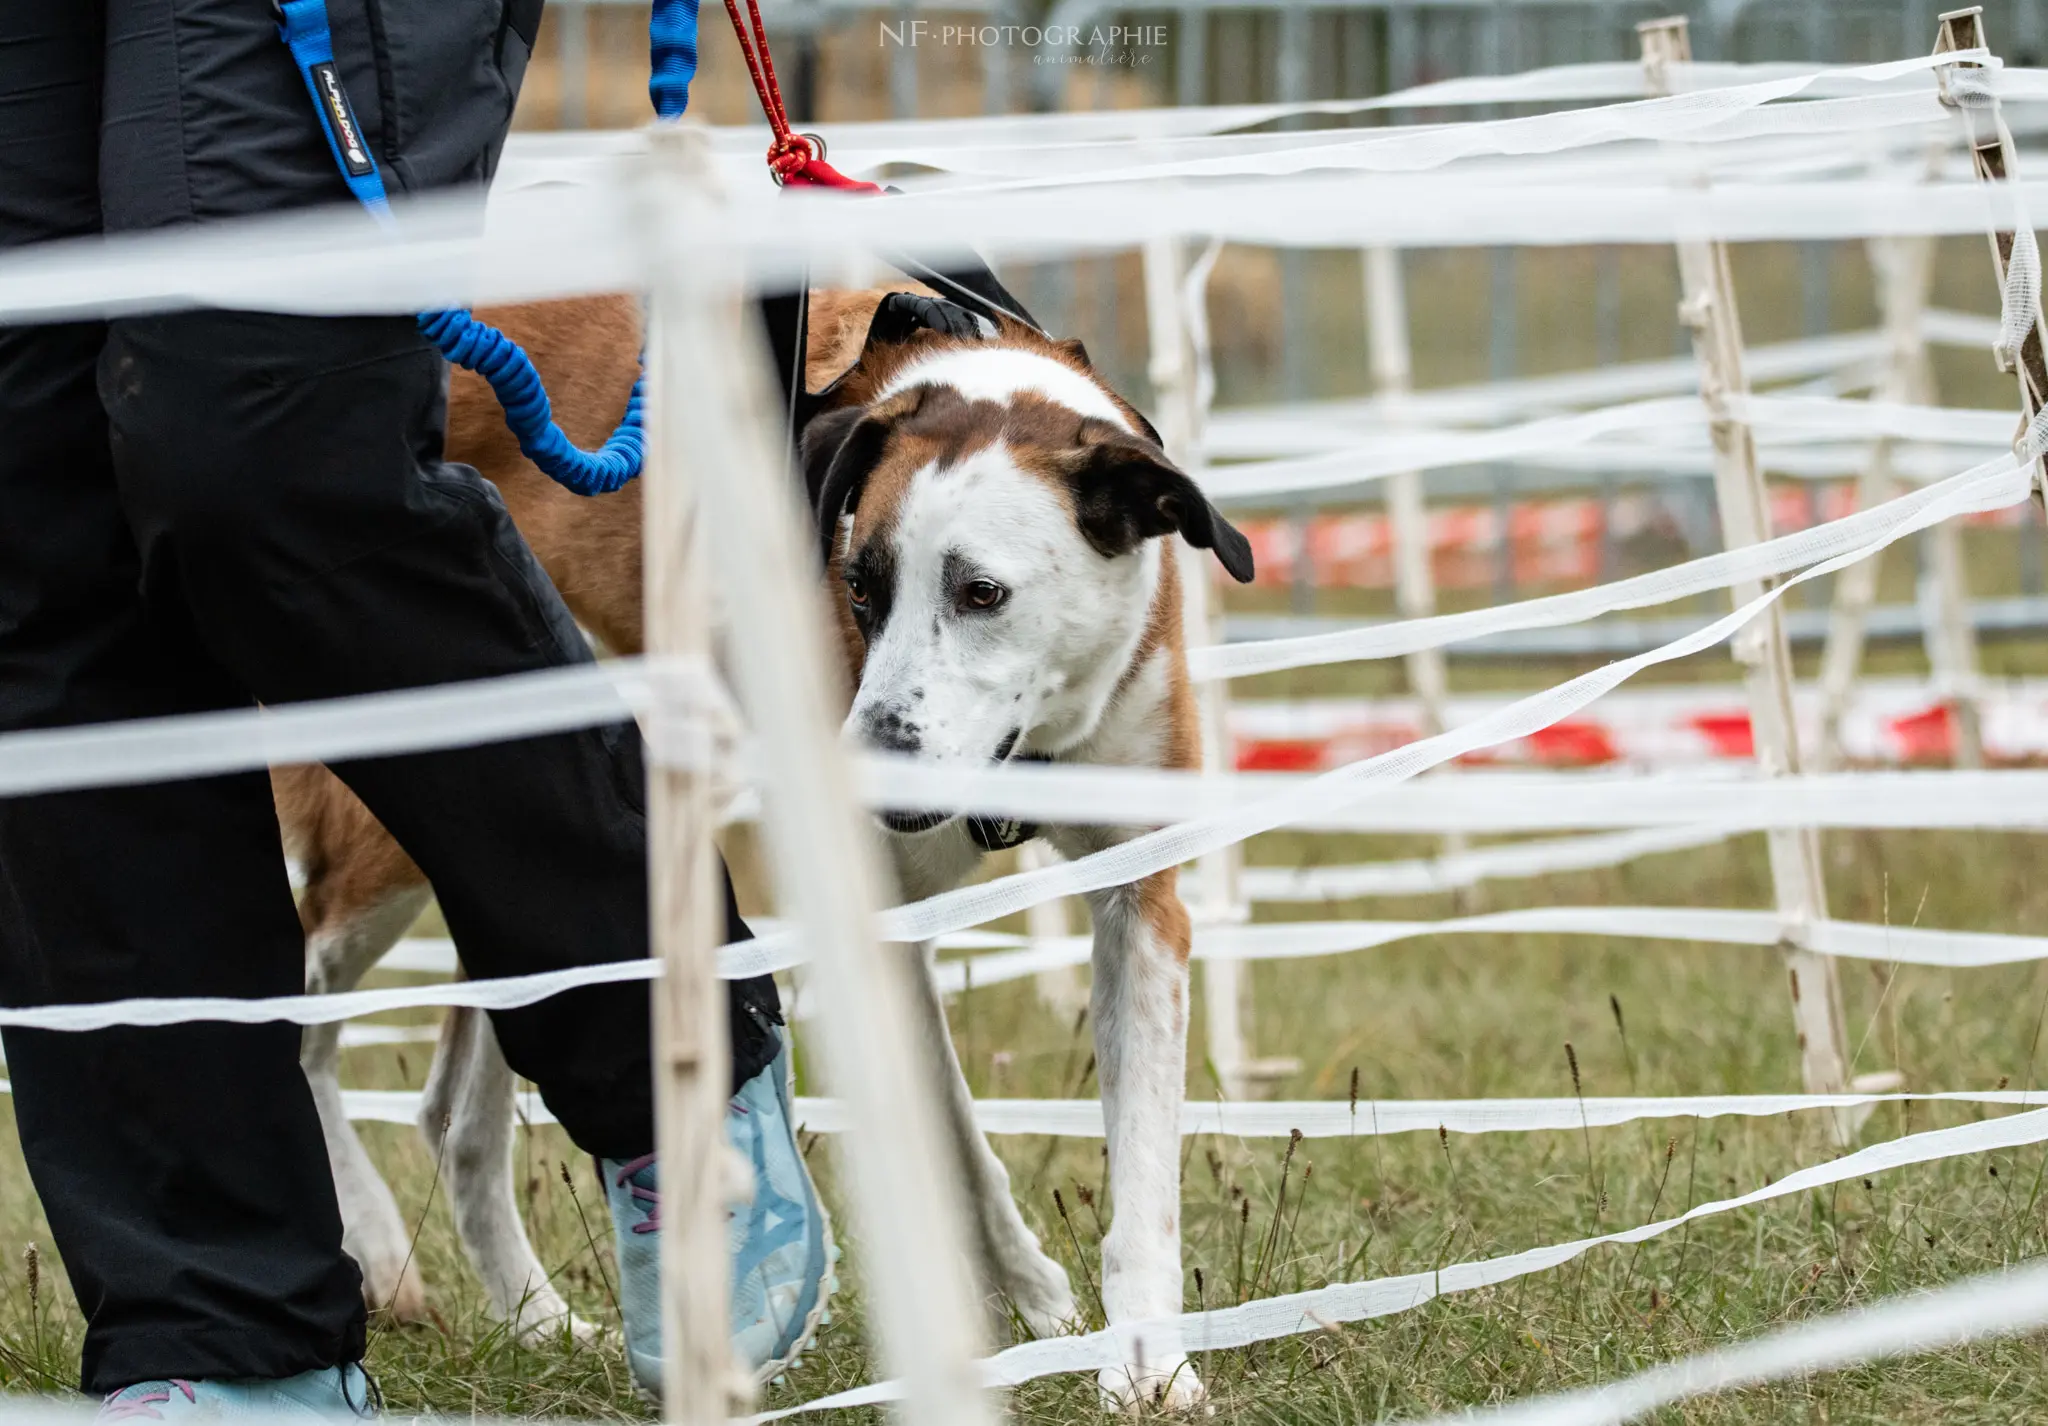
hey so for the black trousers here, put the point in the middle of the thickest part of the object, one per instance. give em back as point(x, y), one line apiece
point(206, 510)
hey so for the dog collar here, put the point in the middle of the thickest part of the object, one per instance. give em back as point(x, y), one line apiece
point(999, 834)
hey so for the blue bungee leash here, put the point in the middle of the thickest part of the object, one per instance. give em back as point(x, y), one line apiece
point(468, 343)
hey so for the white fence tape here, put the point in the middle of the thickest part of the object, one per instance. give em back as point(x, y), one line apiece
point(1996, 483)
point(336, 730)
point(1296, 1313)
point(553, 157)
point(1339, 1119)
point(1669, 430)
point(555, 700)
point(358, 1037)
point(534, 245)
point(1716, 116)
point(1297, 940)
point(1421, 875)
point(1313, 1118)
point(2014, 800)
point(943, 143)
point(1303, 427)
point(775, 950)
point(1995, 1304)
point(1983, 487)
point(1668, 433)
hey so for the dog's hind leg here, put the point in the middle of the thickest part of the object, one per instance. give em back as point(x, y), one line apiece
point(1013, 1263)
point(361, 893)
point(466, 1119)
point(338, 952)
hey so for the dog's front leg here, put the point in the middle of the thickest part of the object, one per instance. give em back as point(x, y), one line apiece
point(1141, 1000)
point(466, 1119)
point(1012, 1261)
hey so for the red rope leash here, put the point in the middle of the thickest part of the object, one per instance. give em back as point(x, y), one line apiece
point(792, 158)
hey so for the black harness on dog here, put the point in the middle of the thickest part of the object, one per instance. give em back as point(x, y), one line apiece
point(973, 289)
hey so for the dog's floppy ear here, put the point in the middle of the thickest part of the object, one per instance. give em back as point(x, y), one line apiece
point(818, 443)
point(1126, 492)
point(840, 449)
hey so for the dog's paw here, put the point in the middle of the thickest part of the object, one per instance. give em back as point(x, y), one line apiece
point(1044, 1300)
point(396, 1290)
point(550, 1332)
point(543, 1318)
point(1137, 1388)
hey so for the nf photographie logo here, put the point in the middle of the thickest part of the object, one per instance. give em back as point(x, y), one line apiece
point(1049, 44)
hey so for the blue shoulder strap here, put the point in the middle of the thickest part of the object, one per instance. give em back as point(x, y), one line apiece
point(462, 339)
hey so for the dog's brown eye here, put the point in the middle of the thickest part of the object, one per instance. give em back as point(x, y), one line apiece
point(857, 591)
point(982, 595)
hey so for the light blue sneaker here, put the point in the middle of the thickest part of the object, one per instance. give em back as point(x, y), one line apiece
point(781, 1243)
point(343, 1393)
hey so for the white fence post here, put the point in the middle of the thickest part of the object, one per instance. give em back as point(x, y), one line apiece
point(1183, 385)
point(1904, 268)
point(1060, 988)
point(573, 60)
point(1760, 647)
point(1393, 378)
point(716, 395)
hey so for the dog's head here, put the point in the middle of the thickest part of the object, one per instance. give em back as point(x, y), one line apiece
point(996, 516)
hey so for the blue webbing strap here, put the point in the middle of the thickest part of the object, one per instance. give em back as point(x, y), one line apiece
point(671, 56)
point(303, 24)
point(462, 339)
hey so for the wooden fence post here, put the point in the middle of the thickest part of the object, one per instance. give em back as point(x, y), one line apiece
point(1992, 158)
point(700, 1380)
point(1709, 310)
point(714, 395)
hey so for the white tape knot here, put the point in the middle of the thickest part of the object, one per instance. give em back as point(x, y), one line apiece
point(2033, 439)
point(2022, 295)
point(1969, 87)
point(692, 723)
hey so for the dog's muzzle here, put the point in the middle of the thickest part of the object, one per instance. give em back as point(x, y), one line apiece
point(991, 834)
point(910, 822)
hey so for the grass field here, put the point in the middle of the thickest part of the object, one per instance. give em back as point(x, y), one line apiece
point(1459, 1016)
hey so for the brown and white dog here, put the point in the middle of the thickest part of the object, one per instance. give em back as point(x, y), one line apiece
point(996, 519)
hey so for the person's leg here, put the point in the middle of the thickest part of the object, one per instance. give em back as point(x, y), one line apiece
point(181, 1168)
point(285, 482)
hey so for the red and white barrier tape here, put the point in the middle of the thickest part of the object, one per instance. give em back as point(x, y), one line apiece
point(1890, 721)
point(1548, 541)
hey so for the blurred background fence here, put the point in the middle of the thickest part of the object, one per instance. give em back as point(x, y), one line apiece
point(1289, 325)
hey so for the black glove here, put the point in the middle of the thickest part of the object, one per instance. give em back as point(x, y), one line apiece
point(903, 313)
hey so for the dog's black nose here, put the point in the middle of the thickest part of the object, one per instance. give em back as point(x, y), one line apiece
point(890, 732)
